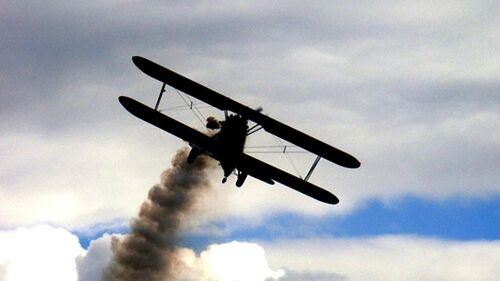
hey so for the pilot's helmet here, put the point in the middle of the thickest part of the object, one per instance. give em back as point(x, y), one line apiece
point(212, 123)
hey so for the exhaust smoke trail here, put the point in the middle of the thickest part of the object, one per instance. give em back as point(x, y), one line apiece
point(148, 252)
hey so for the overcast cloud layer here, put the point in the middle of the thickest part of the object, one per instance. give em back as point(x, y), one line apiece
point(409, 88)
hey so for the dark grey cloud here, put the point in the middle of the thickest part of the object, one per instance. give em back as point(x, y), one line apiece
point(61, 36)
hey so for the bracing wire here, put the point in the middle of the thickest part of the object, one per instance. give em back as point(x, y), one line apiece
point(274, 149)
point(272, 146)
point(183, 107)
point(192, 105)
point(288, 157)
point(276, 152)
point(195, 108)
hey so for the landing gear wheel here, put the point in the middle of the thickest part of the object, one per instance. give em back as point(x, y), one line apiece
point(241, 179)
point(224, 180)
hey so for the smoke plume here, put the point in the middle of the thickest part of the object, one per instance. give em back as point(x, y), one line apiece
point(148, 252)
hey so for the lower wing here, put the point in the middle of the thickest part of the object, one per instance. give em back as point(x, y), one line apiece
point(166, 123)
point(267, 173)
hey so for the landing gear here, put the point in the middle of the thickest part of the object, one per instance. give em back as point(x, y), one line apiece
point(239, 182)
point(241, 179)
point(195, 152)
point(227, 173)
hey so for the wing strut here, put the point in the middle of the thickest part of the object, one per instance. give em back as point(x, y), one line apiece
point(254, 129)
point(159, 97)
point(312, 168)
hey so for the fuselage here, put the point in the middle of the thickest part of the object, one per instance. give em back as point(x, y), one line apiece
point(229, 142)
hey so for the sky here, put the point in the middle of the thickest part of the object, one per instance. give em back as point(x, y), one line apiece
point(410, 88)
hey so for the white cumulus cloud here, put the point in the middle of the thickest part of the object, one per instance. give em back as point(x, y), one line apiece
point(227, 262)
point(91, 265)
point(231, 261)
point(38, 253)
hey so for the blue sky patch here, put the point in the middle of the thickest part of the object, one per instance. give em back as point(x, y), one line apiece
point(455, 219)
point(85, 237)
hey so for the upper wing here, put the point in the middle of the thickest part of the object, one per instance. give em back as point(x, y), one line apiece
point(165, 123)
point(224, 103)
point(268, 173)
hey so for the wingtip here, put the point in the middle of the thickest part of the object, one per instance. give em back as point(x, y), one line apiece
point(329, 198)
point(334, 200)
point(122, 99)
point(137, 59)
point(126, 102)
point(353, 163)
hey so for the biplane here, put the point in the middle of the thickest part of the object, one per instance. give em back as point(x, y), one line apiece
point(228, 143)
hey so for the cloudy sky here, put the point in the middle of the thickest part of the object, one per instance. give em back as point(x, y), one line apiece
point(411, 88)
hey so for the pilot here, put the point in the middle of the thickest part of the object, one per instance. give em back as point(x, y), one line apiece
point(212, 123)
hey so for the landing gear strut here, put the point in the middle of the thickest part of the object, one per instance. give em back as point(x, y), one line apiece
point(195, 152)
point(227, 173)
